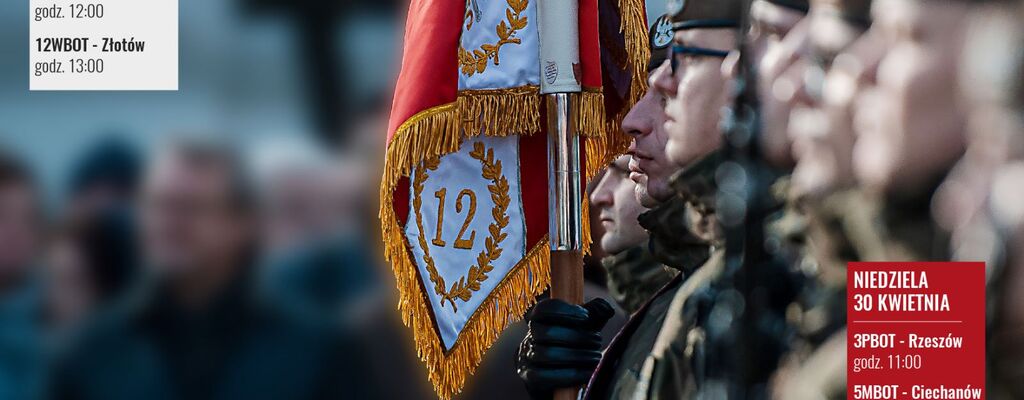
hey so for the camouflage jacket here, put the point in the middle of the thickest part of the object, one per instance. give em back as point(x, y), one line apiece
point(671, 371)
point(672, 242)
point(908, 231)
point(681, 229)
point(838, 228)
point(634, 276)
point(845, 226)
point(652, 357)
point(651, 354)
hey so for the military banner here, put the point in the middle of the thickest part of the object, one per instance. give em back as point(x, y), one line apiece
point(464, 192)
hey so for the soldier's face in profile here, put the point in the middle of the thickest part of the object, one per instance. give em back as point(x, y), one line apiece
point(615, 199)
point(775, 40)
point(968, 200)
point(821, 127)
point(648, 167)
point(911, 128)
point(695, 96)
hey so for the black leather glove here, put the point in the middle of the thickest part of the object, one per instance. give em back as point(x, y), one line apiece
point(563, 345)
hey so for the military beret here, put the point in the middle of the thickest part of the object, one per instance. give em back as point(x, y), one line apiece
point(855, 11)
point(693, 14)
point(660, 41)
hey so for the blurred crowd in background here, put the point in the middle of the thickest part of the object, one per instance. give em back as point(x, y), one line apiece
point(220, 241)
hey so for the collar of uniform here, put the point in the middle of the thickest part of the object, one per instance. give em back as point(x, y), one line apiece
point(664, 218)
point(630, 255)
point(696, 183)
point(672, 242)
point(634, 276)
point(910, 228)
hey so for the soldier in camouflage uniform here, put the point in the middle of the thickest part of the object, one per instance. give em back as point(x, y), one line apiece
point(837, 222)
point(914, 135)
point(673, 369)
point(914, 128)
point(652, 357)
point(771, 51)
point(557, 351)
point(695, 90)
point(773, 47)
point(980, 200)
point(634, 276)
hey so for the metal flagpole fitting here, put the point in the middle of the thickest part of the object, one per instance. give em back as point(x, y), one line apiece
point(558, 25)
point(564, 194)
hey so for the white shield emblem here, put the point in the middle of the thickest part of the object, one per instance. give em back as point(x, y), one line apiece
point(466, 227)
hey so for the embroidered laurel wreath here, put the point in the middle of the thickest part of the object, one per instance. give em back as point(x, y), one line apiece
point(477, 60)
point(464, 288)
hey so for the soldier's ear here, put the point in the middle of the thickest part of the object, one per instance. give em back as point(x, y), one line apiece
point(730, 65)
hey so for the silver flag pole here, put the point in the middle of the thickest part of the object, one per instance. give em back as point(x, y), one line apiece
point(559, 56)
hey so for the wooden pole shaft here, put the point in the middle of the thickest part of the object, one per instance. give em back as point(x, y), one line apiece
point(567, 276)
point(567, 285)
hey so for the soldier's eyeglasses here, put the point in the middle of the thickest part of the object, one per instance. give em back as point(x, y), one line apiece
point(678, 50)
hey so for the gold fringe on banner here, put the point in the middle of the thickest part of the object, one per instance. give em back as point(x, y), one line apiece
point(634, 28)
point(599, 137)
point(500, 112)
point(585, 219)
point(515, 294)
point(610, 141)
point(433, 133)
point(591, 120)
point(439, 130)
point(603, 149)
point(593, 126)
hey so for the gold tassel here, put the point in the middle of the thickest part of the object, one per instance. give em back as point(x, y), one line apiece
point(634, 27)
point(430, 133)
point(603, 149)
point(585, 219)
point(437, 131)
point(591, 120)
point(596, 131)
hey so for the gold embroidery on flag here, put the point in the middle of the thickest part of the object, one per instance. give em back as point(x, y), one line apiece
point(433, 133)
point(470, 15)
point(476, 61)
point(464, 288)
